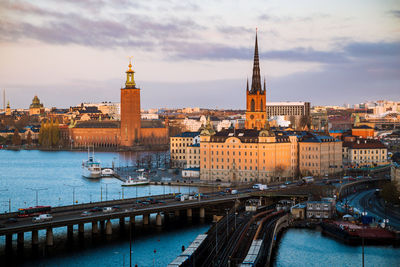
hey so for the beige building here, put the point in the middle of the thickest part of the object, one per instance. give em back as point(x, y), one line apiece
point(288, 109)
point(358, 152)
point(246, 155)
point(179, 146)
point(319, 155)
point(193, 156)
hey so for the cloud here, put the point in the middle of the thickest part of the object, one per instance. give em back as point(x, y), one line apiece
point(395, 13)
point(373, 49)
point(288, 19)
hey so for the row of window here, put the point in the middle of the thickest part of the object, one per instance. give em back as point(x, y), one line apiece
point(368, 151)
point(369, 157)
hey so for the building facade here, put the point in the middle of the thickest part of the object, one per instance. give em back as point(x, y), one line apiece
point(288, 109)
point(246, 155)
point(179, 146)
point(360, 152)
point(320, 155)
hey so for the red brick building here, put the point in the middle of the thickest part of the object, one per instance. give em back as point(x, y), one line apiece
point(128, 132)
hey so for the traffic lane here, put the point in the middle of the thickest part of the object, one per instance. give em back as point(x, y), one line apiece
point(371, 202)
point(124, 212)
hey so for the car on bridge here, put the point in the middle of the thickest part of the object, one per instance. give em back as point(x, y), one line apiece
point(42, 218)
point(107, 209)
point(96, 209)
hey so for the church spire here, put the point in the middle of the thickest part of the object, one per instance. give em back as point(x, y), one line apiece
point(265, 85)
point(256, 80)
point(247, 88)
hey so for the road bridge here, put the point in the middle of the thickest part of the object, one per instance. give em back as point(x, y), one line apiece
point(364, 184)
point(68, 216)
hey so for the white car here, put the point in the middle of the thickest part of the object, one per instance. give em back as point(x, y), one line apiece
point(107, 209)
point(42, 218)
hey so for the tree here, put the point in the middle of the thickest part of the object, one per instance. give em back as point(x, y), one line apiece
point(49, 135)
point(292, 120)
point(16, 139)
point(29, 138)
point(305, 121)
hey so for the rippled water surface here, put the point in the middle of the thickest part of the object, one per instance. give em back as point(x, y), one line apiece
point(303, 247)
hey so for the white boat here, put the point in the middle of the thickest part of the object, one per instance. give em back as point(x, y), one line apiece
point(140, 180)
point(107, 172)
point(91, 168)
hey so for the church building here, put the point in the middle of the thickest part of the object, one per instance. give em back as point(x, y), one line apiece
point(255, 97)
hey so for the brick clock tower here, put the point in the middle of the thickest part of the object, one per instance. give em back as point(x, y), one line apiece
point(255, 97)
point(130, 110)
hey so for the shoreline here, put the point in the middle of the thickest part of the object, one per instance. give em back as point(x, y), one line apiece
point(163, 148)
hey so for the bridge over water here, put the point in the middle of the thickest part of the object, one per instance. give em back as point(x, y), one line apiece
point(68, 216)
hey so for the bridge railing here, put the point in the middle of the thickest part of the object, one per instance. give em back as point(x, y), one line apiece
point(93, 204)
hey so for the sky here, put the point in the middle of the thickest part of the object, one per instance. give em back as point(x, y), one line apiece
point(199, 53)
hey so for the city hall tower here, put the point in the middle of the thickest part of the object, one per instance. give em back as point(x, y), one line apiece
point(130, 111)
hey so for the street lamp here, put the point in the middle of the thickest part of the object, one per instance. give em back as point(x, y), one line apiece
point(73, 192)
point(37, 191)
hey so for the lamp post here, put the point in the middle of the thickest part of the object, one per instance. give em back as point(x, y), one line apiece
point(37, 193)
point(73, 192)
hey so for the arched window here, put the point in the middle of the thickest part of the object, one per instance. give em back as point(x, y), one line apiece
point(253, 104)
point(261, 106)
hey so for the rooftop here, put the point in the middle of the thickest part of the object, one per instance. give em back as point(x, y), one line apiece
point(188, 134)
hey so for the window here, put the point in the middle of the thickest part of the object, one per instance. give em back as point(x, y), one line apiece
point(252, 105)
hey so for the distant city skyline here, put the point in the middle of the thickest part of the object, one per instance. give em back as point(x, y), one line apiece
point(199, 54)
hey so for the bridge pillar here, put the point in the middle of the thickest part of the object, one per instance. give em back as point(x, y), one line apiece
point(146, 219)
point(108, 228)
point(81, 229)
point(166, 217)
point(132, 220)
point(20, 240)
point(35, 238)
point(70, 231)
point(49, 237)
point(122, 222)
point(202, 213)
point(189, 212)
point(158, 220)
point(95, 228)
point(177, 213)
point(9, 242)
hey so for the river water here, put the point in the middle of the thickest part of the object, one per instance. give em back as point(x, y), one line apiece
point(56, 175)
point(22, 171)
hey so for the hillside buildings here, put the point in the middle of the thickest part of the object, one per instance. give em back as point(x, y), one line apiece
point(256, 153)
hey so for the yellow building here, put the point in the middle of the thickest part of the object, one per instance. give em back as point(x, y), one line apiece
point(193, 156)
point(36, 108)
point(319, 155)
point(364, 152)
point(179, 146)
point(246, 155)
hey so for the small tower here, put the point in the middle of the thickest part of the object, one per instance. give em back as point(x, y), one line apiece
point(255, 97)
point(8, 109)
point(130, 110)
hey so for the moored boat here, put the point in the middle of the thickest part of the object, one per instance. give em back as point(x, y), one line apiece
point(140, 180)
point(91, 168)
